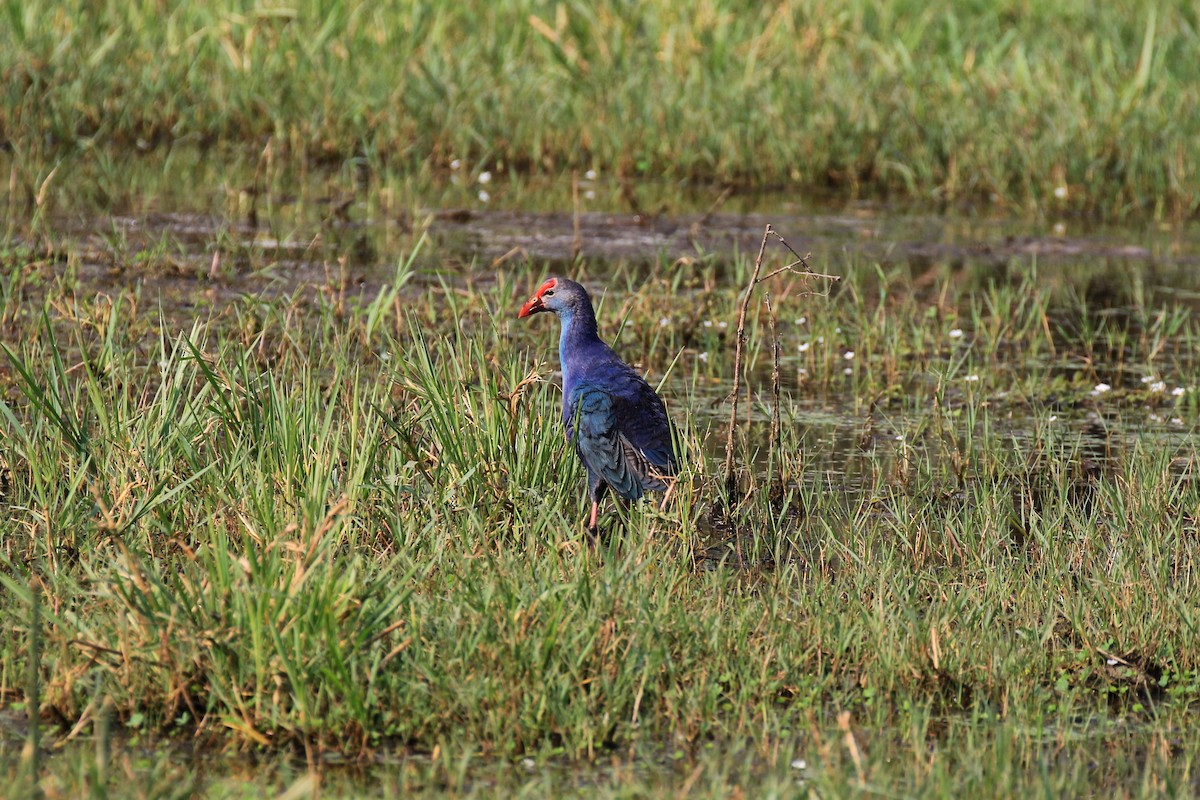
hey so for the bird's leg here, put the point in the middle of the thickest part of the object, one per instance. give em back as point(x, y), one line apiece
point(593, 528)
point(596, 494)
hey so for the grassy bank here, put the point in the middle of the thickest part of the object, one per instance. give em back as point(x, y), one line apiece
point(317, 525)
point(1026, 105)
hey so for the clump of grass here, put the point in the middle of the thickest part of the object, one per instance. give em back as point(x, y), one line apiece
point(1039, 108)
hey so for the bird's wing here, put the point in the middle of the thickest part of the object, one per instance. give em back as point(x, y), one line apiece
point(643, 421)
point(623, 436)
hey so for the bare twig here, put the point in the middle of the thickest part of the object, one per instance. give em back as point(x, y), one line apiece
point(807, 273)
point(784, 242)
point(737, 362)
point(755, 279)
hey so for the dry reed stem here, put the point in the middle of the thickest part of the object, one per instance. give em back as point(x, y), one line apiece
point(737, 361)
point(807, 272)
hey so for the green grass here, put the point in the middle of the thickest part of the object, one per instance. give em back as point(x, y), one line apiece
point(1011, 103)
point(310, 524)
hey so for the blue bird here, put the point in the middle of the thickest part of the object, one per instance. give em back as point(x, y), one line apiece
point(617, 423)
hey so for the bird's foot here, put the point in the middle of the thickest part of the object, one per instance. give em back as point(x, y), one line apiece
point(591, 531)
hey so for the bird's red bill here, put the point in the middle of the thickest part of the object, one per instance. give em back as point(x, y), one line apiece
point(535, 303)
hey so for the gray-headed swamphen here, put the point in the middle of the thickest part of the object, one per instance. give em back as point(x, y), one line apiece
point(617, 423)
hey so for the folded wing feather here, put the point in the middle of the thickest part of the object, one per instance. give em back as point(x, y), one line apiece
point(624, 439)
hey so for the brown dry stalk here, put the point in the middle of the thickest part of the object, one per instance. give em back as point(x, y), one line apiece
point(737, 361)
point(801, 261)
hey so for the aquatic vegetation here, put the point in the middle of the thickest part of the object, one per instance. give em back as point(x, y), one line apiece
point(336, 515)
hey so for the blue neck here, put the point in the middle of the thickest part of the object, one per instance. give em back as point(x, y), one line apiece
point(578, 332)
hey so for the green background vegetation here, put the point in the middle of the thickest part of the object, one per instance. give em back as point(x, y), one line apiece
point(945, 101)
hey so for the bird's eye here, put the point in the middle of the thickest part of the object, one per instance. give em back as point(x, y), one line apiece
point(548, 292)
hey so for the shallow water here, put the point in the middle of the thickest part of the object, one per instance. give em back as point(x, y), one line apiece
point(209, 201)
point(484, 238)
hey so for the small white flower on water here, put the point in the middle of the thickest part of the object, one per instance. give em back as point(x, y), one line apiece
point(847, 371)
point(837, 330)
point(1178, 391)
point(703, 356)
point(820, 340)
point(1176, 421)
point(590, 174)
point(589, 195)
point(1112, 662)
point(484, 196)
point(801, 320)
point(1155, 418)
point(799, 763)
point(1158, 386)
point(1147, 378)
point(722, 324)
point(1052, 418)
point(956, 333)
point(528, 763)
point(848, 355)
point(456, 163)
point(1060, 229)
point(804, 346)
point(900, 437)
point(1060, 192)
point(708, 323)
point(664, 322)
point(972, 379)
point(485, 177)
point(1101, 388)
point(803, 371)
